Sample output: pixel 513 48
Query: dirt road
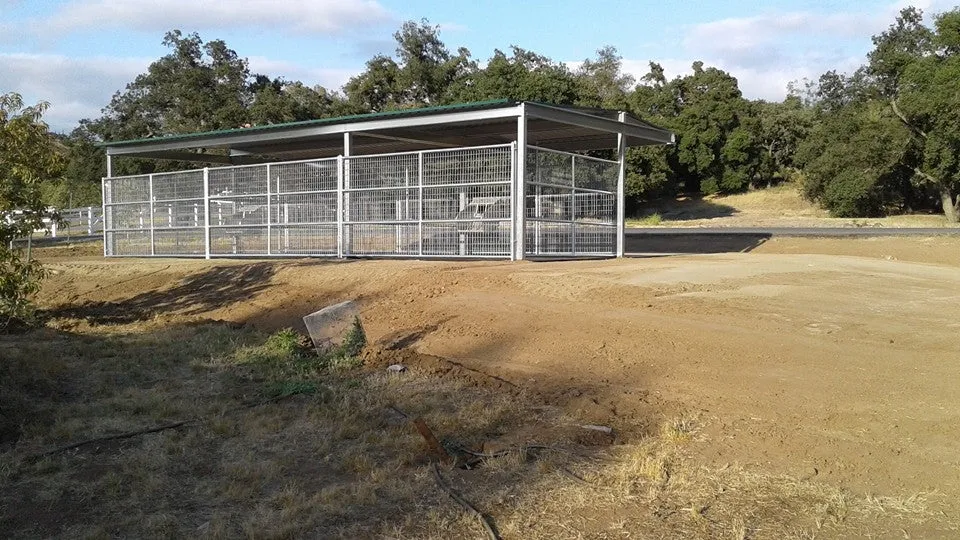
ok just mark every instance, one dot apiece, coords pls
pixel 832 359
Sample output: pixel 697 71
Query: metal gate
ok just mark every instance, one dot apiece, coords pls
pixel 571 204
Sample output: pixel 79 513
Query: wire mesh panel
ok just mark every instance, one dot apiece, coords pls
pixel 238 210
pixel 570 204
pixel 450 203
pixel 126 216
pixel 177 225
pixel 303 208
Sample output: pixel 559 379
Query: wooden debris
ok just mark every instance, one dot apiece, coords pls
pixel 433 444
pixel 484 520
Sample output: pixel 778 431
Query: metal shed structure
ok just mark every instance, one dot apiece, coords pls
pixel 499 179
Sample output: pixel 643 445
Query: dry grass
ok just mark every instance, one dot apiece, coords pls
pixel 780 206
pixel 333 460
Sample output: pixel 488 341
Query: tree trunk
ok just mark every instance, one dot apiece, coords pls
pixel 949 208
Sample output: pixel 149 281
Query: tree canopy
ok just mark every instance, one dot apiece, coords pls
pixel 882 139
pixel 887 138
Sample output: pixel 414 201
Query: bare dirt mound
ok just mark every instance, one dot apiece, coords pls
pixel 838 367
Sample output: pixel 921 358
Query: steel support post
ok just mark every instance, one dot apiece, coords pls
pixel 104 194
pixel 573 205
pixel 340 166
pixel 269 218
pixel 519 187
pixel 153 245
pixel 206 213
pixel 420 199
pixel 344 194
pixel 621 183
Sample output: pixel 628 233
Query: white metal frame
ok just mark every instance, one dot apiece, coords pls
pixel 623 127
pixel 140 199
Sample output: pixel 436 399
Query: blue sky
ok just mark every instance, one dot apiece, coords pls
pixel 77 53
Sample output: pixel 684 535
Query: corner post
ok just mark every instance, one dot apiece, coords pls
pixel 621 185
pixel 153 243
pixel 340 166
pixel 206 213
pixel 104 195
pixel 420 205
pixel 519 187
pixel 344 214
pixel 269 216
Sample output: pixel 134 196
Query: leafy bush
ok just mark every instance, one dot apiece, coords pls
pixel 19 280
pixel 28 155
pixel 850 194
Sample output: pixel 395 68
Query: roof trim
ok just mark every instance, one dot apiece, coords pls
pixel 415 127
pixel 583 119
pixel 400 113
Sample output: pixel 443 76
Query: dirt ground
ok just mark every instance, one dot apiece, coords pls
pixel 828 360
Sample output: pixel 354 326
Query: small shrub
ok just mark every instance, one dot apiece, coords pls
pixel 653 219
pixel 19 280
pixel 346 356
pixel 354 341
pixel 283 355
pixel 285 343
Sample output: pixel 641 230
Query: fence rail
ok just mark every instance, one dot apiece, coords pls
pixel 83 221
pixel 437 203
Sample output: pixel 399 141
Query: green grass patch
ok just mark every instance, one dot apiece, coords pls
pixel 650 220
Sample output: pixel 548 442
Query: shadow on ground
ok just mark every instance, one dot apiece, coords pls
pixel 195 294
pixel 334 461
pixel 687 209
pixel 640 242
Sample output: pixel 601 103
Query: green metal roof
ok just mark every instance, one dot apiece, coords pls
pixel 400 113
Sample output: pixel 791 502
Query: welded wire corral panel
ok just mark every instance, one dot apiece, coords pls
pixel 438 203
pixel 449 203
pixel 570 204
pixel 446 203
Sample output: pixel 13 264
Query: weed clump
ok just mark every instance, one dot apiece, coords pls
pixel 346 355
pixel 282 351
pixel 290 365
pixel 652 219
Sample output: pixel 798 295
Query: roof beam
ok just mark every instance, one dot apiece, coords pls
pixel 564 116
pixel 408 140
pixel 196 157
pixel 184 156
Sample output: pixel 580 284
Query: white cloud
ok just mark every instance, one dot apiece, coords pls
pixel 304 16
pixel 766 52
pixel 75 87
pixel 735 35
pixel 80 87
pixel 452 27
